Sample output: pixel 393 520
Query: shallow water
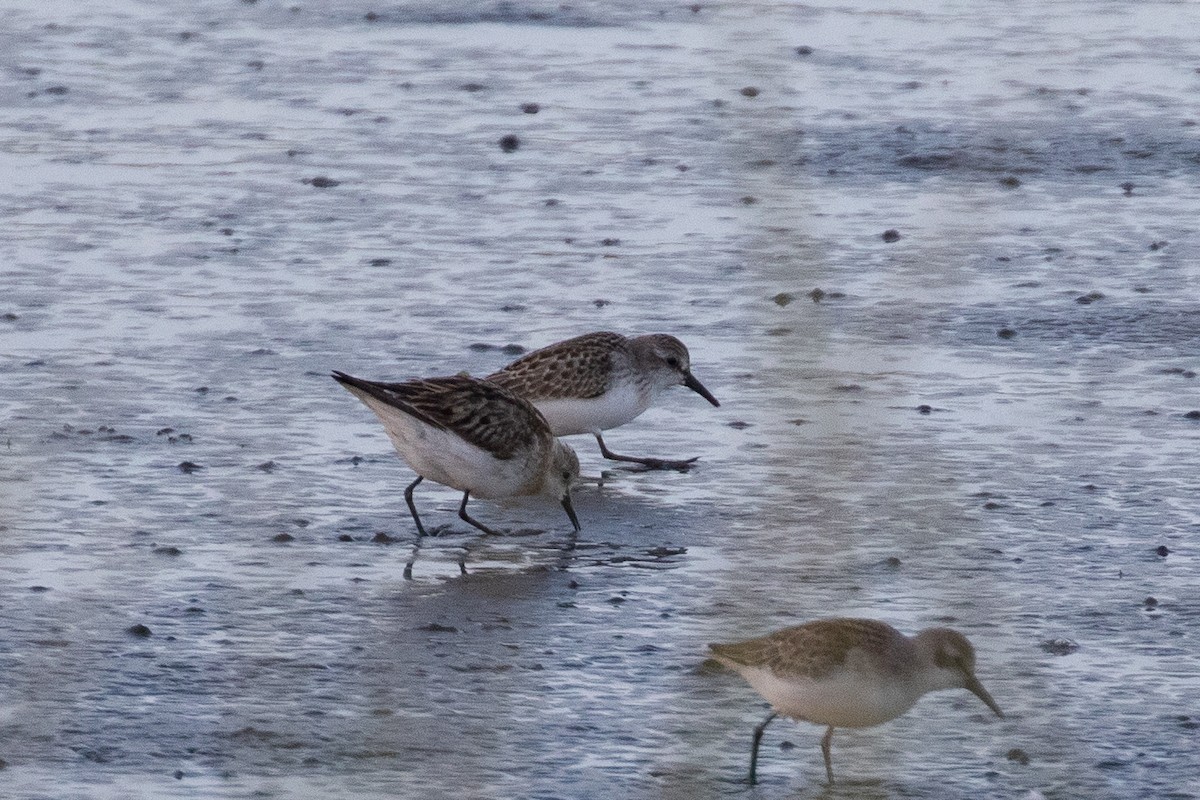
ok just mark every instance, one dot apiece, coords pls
pixel 178 287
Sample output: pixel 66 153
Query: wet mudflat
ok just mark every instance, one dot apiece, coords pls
pixel 983 420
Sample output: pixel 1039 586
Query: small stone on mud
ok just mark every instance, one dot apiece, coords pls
pixel 1059 647
pixel 738 425
pixel 891 235
pixel 892 561
pixel 1018 755
pixel 1157 245
pixel 382 538
pixel 267 466
pixel 167 551
pixel 601 303
pixel 804 50
pixel 530 108
pixel 283 538
pixel 189 467
pixel 783 299
pixel 512 349
pixel 321 182
pixel 380 262
pixel 925 409
pixel 509 142
pixel 433 627
pixel 1010 182
pixel 749 91
pixel 139 630
pixel 610 242
pixel 1006 333
pixel 817 295
pixel 1150 602
pixel 345 537
pixel 1192 415
pixel 1163 550
pixel 1128 187
pixel 787 745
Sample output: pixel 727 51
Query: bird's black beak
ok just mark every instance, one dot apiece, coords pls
pixel 689 380
pixel 976 688
pixel 566 504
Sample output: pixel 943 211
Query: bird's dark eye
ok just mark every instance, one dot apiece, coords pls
pixel 567 477
pixel 672 361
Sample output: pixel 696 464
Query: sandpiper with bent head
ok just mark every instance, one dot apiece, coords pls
pixel 850 673
pixel 472 436
pixel 598 381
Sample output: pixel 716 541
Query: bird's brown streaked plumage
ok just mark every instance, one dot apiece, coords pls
pixel 573 368
pixel 486 415
pixel 814 649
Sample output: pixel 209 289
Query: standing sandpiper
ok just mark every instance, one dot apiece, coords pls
pixel 472 436
pixel 602 380
pixel 850 673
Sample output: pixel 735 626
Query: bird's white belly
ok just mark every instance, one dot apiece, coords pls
pixel 617 406
pixel 446 458
pixel 843 700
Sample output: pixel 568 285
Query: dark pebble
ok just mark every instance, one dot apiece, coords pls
pixel 1059 647
pixel 610 242
pixel 167 551
pixel 1018 755
pixel 38 588
pixel 512 349
pixel 1163 550
pixel 267 466
pixel 1006 333
pixel 1089 298
pixel 139 630
pixel 1151 602
pixel 749 91
pixel 530 108
pixel 1010 182
pixel 178 774
pixel 783 298
pixel 189 467
pixel 382 538
pixel 787 745
pixel 925 409
pixel 9 317
pixel 283 537
pixel 1192 415
pixel 57 90
pixel 601 303
pixel 738 425
pixel 345 537
pixel 891 235
pixel 748 200
pixel 380 262
pixel 892 561
pixel 321 182
pixel 804 50
pixel 472 87
pixel 433 627
pixel 1128 187
pixel 817 295
pixel 1157 245
pixel 371 16
pixel 509 142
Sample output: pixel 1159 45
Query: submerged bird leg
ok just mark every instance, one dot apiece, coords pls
pixel 649 463
pixel 462 513
pixel 758 734
pixel 413 507
pixel 825 743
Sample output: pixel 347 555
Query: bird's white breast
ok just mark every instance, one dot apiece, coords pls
pixel 620 404
pixel 845 699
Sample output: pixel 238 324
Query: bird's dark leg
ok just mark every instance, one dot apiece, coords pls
pixel 758 734
pixel 413 506
pixel 825 743
pixel 462 513
pixel 649 463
